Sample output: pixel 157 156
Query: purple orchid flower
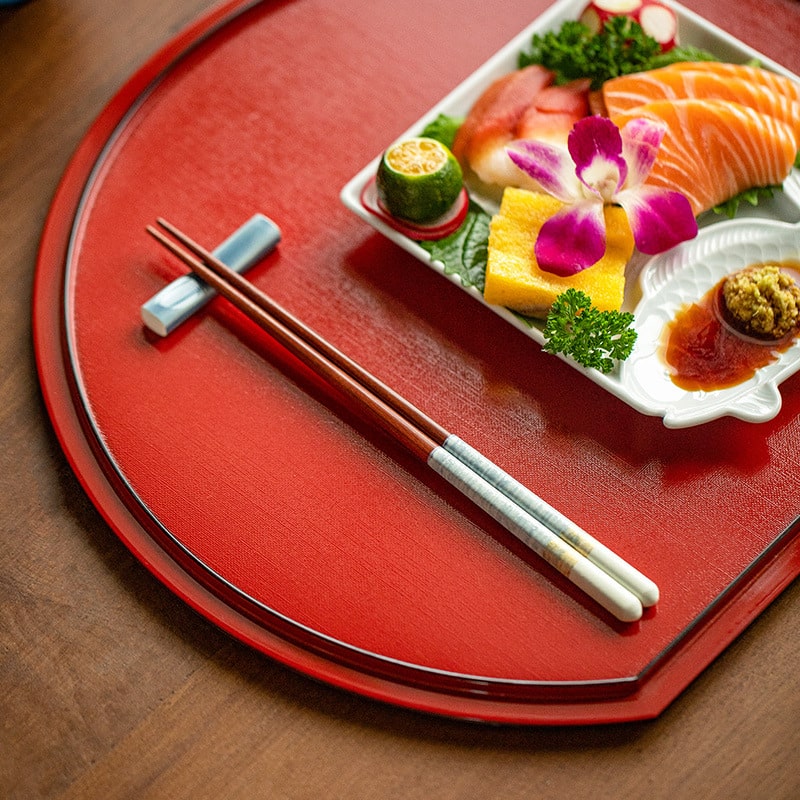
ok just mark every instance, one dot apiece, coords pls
pixel 602 165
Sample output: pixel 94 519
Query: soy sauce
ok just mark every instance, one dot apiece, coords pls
pixel 705 352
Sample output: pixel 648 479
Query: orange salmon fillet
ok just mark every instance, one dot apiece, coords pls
pixel 627 92
pixel 713 150
pixel 759 75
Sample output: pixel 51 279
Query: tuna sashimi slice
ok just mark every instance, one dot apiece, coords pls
pixel 492 121
pixel 521 105
pixel 554 112
pixel 713 149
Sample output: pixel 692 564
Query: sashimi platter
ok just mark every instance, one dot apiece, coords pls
pixel 620 182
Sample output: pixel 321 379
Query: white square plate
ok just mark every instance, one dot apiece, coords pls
pixel 643 381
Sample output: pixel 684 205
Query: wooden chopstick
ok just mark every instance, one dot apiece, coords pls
pixel 602 574
pixel 316 344
pixel 640 585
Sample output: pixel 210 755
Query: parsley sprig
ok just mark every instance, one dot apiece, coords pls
pixel 622 47
pixel 594 338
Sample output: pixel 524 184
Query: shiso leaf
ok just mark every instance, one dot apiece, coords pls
pixel 465 252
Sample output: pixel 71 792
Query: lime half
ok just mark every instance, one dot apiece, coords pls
pixel 418 179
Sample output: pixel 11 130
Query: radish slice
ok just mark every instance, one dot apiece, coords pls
pixel 656 19
pixel 659 22
pixel 443 226
pixel 598 12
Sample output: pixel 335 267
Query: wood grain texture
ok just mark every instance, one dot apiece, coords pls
pixel 113 688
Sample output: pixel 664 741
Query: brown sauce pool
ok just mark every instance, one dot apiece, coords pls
pixel 705 352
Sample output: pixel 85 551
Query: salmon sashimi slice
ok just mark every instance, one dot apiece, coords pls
pixel 713 150
pixel 764 77
pixel 628 91
pixel 522 105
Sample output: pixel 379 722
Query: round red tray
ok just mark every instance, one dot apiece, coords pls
pixel 261 500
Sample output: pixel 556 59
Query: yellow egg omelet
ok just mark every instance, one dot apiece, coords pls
pixel 514 279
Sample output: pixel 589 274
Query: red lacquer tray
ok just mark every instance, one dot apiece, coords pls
pixel 262 501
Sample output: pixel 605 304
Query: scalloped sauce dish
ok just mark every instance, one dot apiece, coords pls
pixel 688 277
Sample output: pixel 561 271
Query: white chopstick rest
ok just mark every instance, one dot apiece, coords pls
pixel 595 582
pixel 619 569
pixel 177 301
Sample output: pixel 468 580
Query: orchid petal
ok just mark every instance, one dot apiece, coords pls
pixel 595 145
pixel 550 166
pixel 641 139
pixel 659 218
pixel 572 239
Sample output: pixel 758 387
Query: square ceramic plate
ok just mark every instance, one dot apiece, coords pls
pixel 642 381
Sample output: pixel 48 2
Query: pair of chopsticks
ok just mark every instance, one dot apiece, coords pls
pixel 590 565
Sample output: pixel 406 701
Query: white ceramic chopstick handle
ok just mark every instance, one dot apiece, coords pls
pixel 610 594
pixel 645 589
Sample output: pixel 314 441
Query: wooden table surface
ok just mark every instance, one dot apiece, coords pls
pixel 113 688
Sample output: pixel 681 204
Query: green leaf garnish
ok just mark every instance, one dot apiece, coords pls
pixel 680 53
pixel 594 338
pixel 443 129
pixel 752 196
pixel 622 47
pixel 465 252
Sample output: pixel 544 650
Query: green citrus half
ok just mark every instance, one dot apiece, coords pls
pixel 418 179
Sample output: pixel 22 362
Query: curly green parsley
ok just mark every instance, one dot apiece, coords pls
pixel 594 338
pixel 622 47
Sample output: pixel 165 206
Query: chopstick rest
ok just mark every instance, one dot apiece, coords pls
pixel 605 577
pixel 176 302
